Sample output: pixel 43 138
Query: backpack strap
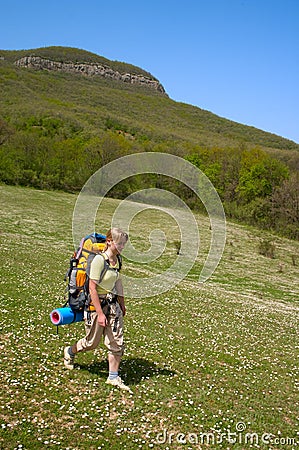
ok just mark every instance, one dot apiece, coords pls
pixel 107 266
pixel 120 261
pixel 79 251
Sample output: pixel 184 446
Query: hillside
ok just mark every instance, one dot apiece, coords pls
pixel 93 100
pixel 65 112
pixel 218 358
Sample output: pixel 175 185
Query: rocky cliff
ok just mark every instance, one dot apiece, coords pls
pixel 38 63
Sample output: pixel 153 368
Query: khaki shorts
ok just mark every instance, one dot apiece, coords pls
pixel 112 333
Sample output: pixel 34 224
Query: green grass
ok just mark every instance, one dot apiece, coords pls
pixel 200 358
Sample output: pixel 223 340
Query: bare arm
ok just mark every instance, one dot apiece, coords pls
pixel 96 303
pixel 120 296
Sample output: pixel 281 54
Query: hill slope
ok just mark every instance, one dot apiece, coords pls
pixel 91 100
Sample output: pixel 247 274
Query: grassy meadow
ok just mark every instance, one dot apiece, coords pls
pixel 210 366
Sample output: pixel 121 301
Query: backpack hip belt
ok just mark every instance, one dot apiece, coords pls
pixel 105 299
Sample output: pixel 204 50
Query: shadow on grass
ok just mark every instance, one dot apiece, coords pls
pixel 132 370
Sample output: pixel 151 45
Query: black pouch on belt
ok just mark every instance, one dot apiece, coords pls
pixel 105 307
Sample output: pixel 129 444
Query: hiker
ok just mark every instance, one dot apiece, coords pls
pixel 103 316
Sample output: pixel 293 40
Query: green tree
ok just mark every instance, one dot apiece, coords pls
pixel 5 131
pixel 285 206
pixel 259 175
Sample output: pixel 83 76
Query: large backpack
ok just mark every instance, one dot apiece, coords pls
pixel 77 277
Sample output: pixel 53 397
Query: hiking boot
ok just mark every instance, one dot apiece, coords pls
pixel 119 383
pixel 68 359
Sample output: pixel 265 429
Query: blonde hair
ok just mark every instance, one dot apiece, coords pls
pixel 116 234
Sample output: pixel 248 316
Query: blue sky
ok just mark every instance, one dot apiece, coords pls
pixel 236 58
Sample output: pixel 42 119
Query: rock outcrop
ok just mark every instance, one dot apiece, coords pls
pixel 38 63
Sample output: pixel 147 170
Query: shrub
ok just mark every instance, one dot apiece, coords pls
pixel 267 248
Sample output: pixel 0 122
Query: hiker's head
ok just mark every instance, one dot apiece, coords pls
pixel 116 238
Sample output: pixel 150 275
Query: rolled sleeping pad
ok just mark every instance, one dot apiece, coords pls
pixel 65 316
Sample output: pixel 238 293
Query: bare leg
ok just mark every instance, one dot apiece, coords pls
pixel 74 349
pixel 114 362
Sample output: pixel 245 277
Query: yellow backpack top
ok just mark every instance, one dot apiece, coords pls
pixel 89 248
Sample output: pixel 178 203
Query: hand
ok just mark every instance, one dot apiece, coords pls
pixel 102 319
